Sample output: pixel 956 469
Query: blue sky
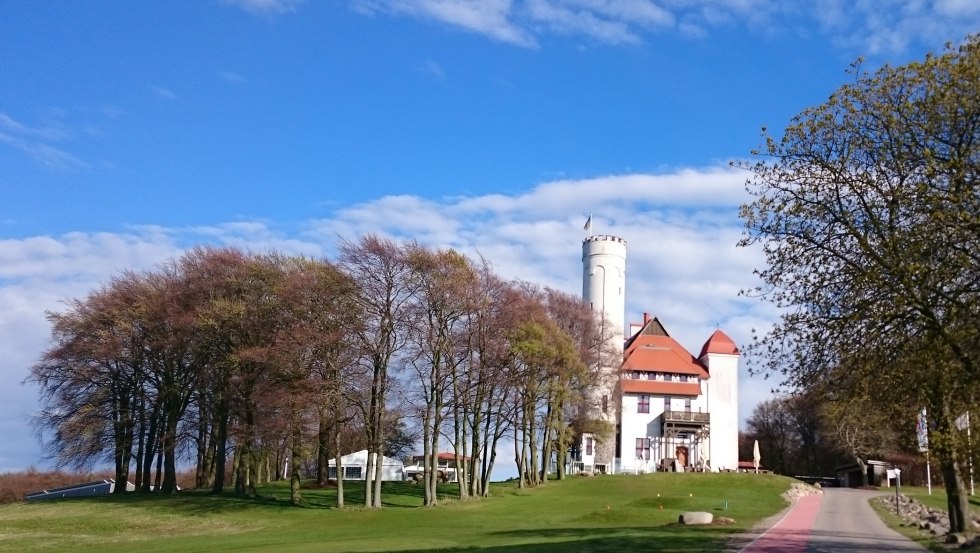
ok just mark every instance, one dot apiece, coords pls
pixel 132 130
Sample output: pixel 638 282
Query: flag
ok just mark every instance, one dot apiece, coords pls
pixel 963 421
pixel 922 431
pixel 588 223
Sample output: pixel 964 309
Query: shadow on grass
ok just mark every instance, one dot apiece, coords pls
pixel 606 540
pixel 397 495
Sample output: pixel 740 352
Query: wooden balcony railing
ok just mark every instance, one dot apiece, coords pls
pixel 686 416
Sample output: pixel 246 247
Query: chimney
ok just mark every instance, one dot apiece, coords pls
pixel 646 318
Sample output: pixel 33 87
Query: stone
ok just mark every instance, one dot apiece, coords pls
pixel 956 539
pixel 724 520
pixel 695 517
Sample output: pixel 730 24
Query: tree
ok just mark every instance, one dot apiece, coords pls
pixel 385 292
pixel 861 429
pixel 868 213
pixel 771 423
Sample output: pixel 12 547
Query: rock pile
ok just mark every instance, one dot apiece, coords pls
pixel 798 490
pixel 932 521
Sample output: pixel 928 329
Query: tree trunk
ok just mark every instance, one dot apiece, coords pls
pixel 123 430
pixel 956 497
pixel 340 468
pixel 323 448
pixel 296 457
pixel 220 447
pixel 864 470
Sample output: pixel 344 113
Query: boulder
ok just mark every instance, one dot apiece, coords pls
pixel 956 539
pixel 696 517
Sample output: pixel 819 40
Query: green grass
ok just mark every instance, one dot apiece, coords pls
pixel 602 514
pixel 938 498
pixel 919 536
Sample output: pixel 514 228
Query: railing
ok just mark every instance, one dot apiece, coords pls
pixel 686 416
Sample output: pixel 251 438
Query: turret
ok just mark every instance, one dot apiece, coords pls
pixel 720 356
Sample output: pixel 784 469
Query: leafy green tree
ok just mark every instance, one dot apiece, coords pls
pixel 867 210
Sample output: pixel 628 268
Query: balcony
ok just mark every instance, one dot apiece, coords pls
pixel 686 418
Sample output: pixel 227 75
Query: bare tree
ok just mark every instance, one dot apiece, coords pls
pixel 384 298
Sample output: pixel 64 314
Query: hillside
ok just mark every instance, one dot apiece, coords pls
pixel 609 513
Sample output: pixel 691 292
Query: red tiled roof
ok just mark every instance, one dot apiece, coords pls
pixel 443 456
pixel 660 387
pixel 719 342
pixel 660 354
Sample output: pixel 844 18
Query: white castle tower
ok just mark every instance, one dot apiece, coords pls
pixel 604 288
pixel 604 280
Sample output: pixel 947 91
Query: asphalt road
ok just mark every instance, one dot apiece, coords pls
pixel 838 521
pixel 847 523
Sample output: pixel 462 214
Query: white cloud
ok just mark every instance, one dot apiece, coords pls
pixel 492 18
pixel 681 228
pixel 163 93
pixel 38 142
pixel 862 27
pixel 265 7
pixel 231 77
pixel 888 27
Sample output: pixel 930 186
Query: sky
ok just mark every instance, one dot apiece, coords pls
pixel 130 131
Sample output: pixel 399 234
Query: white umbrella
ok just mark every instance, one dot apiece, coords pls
pixel 756 456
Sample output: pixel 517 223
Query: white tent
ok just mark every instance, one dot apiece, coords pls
pixel 356 467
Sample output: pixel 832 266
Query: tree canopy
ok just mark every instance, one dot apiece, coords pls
pixel 288 362
pixel 867 210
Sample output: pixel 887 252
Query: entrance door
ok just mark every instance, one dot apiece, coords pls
pixel 681 453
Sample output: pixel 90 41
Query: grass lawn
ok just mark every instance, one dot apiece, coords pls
pixel 601 514
pixel 938 498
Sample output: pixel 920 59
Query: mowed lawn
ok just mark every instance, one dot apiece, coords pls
pixel 601 514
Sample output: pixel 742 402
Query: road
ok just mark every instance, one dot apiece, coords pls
pixel 838 521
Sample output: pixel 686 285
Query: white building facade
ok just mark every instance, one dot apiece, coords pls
pixel 672 411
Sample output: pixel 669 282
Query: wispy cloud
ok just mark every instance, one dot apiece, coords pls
pixel 265 7
pixel 163 93
pixel 39 143
pixel 862 27
pixel 492 18
pixel 231 77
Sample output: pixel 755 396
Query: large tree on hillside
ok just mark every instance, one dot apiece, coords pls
pixel 384 298
pixel 868 212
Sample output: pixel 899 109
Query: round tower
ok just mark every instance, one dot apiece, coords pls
pixel 604 281
pixel 604 288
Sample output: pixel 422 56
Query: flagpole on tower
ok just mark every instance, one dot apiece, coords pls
pixel 588 225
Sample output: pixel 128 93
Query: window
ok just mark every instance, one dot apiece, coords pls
pixel 666 403
pixel 352 473
pixel 643 404
pixel 687 405
pixel 588 445
pixel 605 404
pixel 643 449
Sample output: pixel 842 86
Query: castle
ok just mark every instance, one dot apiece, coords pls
pixel 670 410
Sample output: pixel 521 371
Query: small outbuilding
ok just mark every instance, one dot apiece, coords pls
pixel 446 461
pixel 850 475
pixel 357 467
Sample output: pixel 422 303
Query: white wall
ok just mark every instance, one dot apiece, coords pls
pixel 722 399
